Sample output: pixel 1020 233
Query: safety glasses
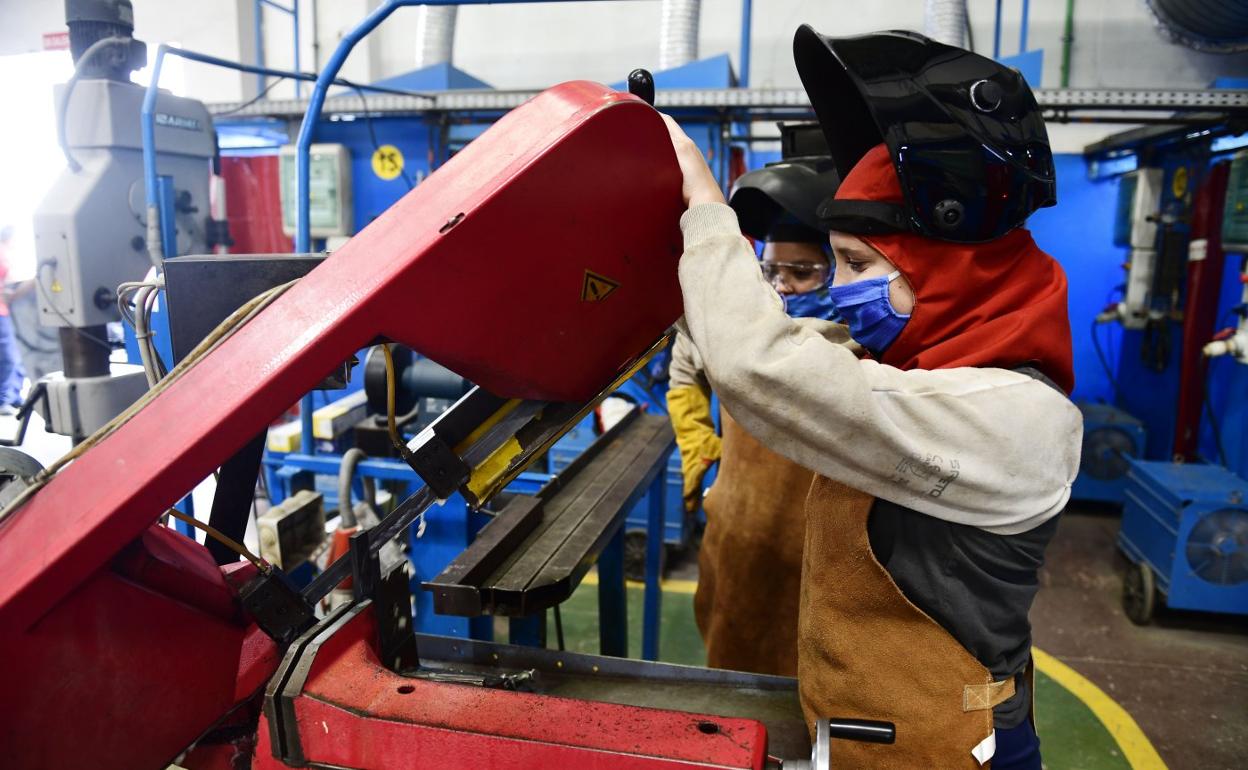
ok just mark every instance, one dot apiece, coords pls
pixel 795 276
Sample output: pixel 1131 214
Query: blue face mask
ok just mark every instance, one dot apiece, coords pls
pixel 866 308
pixel 810 304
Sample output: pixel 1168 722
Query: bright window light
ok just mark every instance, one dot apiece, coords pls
pixel 28 148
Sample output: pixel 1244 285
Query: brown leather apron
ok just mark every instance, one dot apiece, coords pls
pixel 750 563
pixel 866 652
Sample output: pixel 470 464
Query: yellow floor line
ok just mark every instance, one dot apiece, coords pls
pixel 1136 747
pixel 669 586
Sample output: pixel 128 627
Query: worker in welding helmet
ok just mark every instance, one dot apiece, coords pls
pixel 944 454
pixel 750 560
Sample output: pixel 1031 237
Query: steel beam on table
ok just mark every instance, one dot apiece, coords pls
pixel 534 553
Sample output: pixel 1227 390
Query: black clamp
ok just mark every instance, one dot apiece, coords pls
pixel 277 606
pixel 436 463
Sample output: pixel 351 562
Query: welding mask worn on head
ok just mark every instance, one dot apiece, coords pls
pixel 789 189
pixel 965 135
pixel 865 306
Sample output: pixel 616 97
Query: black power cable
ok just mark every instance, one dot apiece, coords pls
pixel 372 133
pixel 63 108
pixel 1213 420
pixel 47 297
pixel 253 99
pixel 1100 354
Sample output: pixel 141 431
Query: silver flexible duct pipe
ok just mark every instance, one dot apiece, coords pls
pixel 435 34
pixel 945 21
pixel 1213 26
pixel 678 32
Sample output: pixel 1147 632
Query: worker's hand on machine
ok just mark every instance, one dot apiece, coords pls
pixel 699 183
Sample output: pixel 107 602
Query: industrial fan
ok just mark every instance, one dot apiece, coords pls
pixel 1185 530
pixel 1111 437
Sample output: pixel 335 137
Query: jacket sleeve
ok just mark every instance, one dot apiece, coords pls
pixel 686 366
pixel 986 447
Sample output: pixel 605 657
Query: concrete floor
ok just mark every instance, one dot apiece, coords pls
pixel 1184 678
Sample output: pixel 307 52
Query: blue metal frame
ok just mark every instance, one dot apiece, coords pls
pixel 652 610
pixel 1022 30
pixel 1022 27
pixel 293 12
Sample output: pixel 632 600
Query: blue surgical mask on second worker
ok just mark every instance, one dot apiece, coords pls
pixel 810 304
pixel 814 303
pixel 867 309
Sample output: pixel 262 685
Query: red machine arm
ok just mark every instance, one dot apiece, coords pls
pixel 536 263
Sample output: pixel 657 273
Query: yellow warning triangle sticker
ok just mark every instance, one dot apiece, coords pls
pixel 596 287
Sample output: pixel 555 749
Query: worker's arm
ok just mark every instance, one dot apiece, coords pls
pixel 987 447
pixel 689 404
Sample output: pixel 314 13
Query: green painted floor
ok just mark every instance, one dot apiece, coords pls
pixel 1071 735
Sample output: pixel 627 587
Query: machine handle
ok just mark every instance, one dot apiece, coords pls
pixel 863 730
pixel 641 85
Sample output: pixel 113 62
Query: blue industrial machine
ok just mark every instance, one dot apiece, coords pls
pixel 1111 438
pixel 1164 401
pixel 1185 530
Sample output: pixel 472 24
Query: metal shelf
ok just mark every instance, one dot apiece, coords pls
pixel 1061 101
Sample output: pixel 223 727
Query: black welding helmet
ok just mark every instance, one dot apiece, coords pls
pixel 965 134
pixel 780 201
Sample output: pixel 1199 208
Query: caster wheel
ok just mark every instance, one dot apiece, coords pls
pixel 1139 594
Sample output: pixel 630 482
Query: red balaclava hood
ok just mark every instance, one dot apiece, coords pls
pixel 995 304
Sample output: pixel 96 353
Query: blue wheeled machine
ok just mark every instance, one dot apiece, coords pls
pixel 1111 439
pixel 1185 530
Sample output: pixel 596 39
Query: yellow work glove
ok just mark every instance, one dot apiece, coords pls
pixel 690 410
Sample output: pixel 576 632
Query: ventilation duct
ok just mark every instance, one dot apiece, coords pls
pixel 678 33
pixel 945 21
pixel 435 34
pixel 1213 26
